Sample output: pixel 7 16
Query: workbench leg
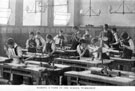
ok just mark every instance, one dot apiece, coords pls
pixel 1 72
pixel 68 80
pixel 11 77
pixel 38 81
pixel 60 80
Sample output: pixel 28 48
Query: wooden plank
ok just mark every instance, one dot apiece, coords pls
pixel 88 61
pixel 121 59
pixel 113 72
pixel 110 80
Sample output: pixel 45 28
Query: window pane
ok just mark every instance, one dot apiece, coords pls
pixel 60 22
pixel 30 15
pixel 61 16
pixel 3 20
pixel 58 2
pixel 60 9
pixel 4 11
pixel 4 3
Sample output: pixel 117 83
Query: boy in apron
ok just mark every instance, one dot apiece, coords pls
pixel 127 45
pixel 115 45
pixel 59 39
pixel 31 43
pixel 40 43
pixel 14 53
pixel 49 48
pixel 82 49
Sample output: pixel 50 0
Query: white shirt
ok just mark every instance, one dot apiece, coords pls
pixel 94 49
pixel 56 39
pixel 41 39
pixel 11 53
pixel 131 43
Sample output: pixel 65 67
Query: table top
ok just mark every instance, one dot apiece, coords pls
pixel 85 60
pixel 35 55
pixel 45 63
pixel 112 80
pixel 121 59
pixel 113 71
pixel 36 68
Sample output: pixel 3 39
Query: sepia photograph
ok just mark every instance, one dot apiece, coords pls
pixel 67 44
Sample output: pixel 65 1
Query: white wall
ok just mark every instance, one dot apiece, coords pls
pixel 106 17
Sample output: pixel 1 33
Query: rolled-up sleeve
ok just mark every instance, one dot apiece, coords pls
pixel 53 47
pixel 131 43
pixel 27 43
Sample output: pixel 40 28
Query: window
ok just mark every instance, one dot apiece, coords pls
pixel 31 14
pixel 4 12
pixel 61 15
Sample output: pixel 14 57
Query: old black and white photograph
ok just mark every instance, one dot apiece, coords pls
pixel 87 43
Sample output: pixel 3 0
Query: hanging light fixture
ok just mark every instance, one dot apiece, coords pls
pixel 90 12
pixel 38 7
pixel 124 6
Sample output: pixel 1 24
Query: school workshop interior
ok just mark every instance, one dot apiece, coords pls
pixel 67 42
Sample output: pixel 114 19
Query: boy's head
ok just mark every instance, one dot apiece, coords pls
pixel 49 37
pixel 10 43
pixel 87 31
pixel 38 34
pixel 124 35
pixel 83 42
pixel 114 30
pixel 60 32
pixel 76 29
pixel 31 35
pixel 106 27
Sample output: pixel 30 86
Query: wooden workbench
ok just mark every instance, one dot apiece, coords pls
pixel 122 64
pixel 41 57
pixel 83 63
pixel 86 78
pixel 36 72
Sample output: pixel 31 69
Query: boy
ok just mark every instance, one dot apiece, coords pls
pixel 14 53
pixel 59 39
pixel 107 36
pixel 127 45
pixel 115 44
pixel 82 49
pixel 75 38
pixel 40 43
pixel 49 47
pixel 31 43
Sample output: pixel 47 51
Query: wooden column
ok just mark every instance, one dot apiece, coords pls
pixel 76 12
pixel 19 13
pixel 74 9
pixel 44 16
pixel 50 13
